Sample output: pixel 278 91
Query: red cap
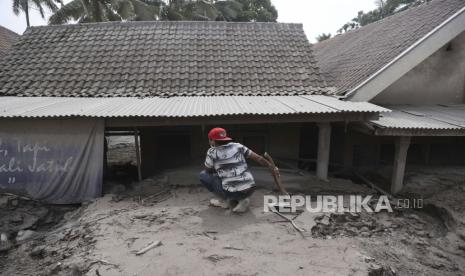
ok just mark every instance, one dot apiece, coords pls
pixel 218 134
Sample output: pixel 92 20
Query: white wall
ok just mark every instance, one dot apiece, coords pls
pixel 438 79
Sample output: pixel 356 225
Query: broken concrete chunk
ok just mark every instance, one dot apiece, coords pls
pixel 25 235
pixel 379 270
pixel 325 221
pixel 5 246
pixel 13 202
pixel 38 252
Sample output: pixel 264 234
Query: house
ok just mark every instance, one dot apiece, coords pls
pixel 7 39
pixel 413 63
pixel 63 87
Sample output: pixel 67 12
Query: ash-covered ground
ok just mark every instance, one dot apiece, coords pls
pixel 172 211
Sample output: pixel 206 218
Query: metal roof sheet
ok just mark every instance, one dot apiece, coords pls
pixel 424 117
pixel 202 106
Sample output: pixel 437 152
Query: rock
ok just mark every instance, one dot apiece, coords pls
pixel 365 234
pixel 14 202
pixel 379 270
pixel 38 252
pixel 3 200
pixel 86 203
pixel 325 221
pixel 25 235
pixel 413 216
pixel 54 269
pixel 75 271
pixel 354 215
pixel 368 259
pixel 5 246
pixel 118 198
pixel 3 237
pixel 16 218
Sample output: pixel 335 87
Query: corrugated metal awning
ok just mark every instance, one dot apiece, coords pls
pixel 178 107
pixel 419 120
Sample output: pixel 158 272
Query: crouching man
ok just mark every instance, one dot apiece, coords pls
pixel 226 172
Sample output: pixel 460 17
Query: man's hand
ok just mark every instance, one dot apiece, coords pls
pixel 275 171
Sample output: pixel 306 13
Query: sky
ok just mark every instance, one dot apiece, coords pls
pixel 317 16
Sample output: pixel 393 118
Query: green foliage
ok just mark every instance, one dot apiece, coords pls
pixel 385 8
pixel 257 10
pixel 197 10
pixel 323 37
pixel 24 6
pixel 105 10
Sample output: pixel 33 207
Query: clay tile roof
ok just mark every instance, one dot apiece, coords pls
pixel 347 60
pixel 7 39
pixel 163 59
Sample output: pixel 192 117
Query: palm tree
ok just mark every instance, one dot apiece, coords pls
pixel 24 6
pixel 106 10
pixel 224 10
pixel 198 10
pixel 127 10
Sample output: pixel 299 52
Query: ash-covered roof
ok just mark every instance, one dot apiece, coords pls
pixel 418 120
pixel 182 107
pixel 349 59
pixel 7 39
pixel 162 59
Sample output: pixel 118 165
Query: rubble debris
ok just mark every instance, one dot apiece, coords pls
pixel 216 258
pixel 405 242
pixel 24 235
pixel 5 246
pixel 104 262
pixel 38 252
pixel 379 270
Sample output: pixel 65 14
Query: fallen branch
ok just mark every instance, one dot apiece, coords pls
pixel 392 199
pixel 232 248
pixel 149 247
pixel 104 262
pixel 300 230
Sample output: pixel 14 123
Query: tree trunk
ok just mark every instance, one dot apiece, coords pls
pixel 26 11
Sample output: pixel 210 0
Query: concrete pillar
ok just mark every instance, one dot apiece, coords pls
pixel 400 158
pixel 138 158
pixel 324 142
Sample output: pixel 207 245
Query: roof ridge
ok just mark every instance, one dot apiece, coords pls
pixel 383 20
pixel 160 22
